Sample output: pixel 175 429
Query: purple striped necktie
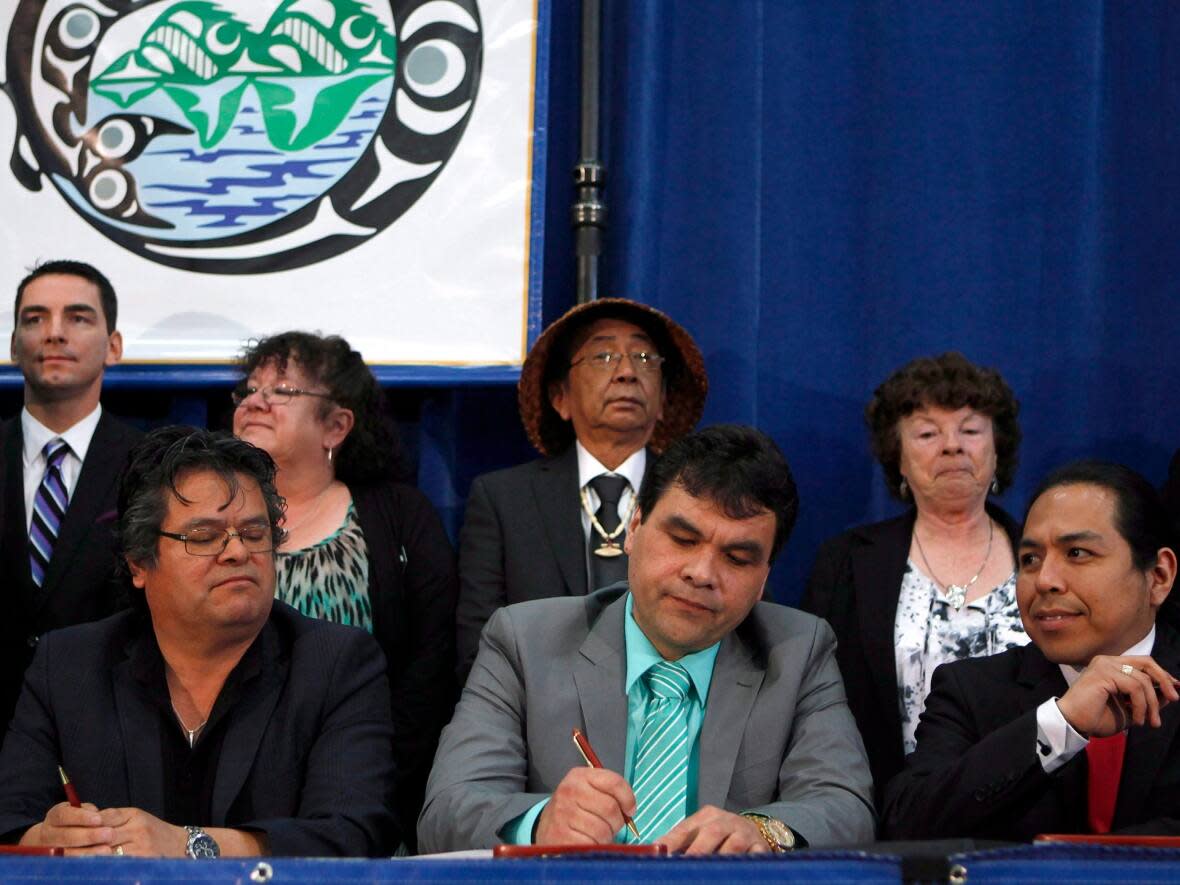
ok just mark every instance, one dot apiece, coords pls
pixel 49 509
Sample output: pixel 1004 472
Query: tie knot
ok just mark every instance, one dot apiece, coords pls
pixel 668 681
pixel 55 451
pixel 609 488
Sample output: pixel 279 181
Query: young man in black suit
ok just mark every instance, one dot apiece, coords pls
pixel 1077 732
pixel 56 503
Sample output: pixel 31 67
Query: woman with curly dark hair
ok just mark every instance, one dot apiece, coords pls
pixel 937 583
pixel 361 548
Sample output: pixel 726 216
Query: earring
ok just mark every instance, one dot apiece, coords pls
pixel 329 455
pixel 995 486
pixel 904 488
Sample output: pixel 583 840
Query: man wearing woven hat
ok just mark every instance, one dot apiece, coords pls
pixel 716 722
pixel 605 385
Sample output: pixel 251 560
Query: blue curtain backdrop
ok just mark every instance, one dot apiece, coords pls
pixel 821 191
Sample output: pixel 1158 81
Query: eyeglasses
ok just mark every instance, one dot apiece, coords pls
pixel 212 542
pixel 609 360
pixel 275 395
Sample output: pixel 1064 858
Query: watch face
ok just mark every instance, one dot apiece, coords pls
pixel 781 833
pixel 201 844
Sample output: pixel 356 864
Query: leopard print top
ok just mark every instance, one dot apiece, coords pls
pixel 330 579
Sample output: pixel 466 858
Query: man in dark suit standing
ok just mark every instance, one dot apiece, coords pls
pixel 605 384
pixel 208 718
pixel 1077 732
pixel 61 459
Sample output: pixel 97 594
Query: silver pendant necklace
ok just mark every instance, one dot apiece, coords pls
pixel 190 733
pixel 956 594
pixel 609 548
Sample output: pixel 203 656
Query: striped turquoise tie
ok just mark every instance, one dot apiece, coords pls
pixel 49 509
pixel 660 776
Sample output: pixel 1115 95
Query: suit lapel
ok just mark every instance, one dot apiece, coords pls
pixel 1147 747
pixel 100 471
pixel 878 565
pixel 249 718
pixel 140 725
pixel 732 690
pixel 15 531
pixel 555 491
pixel 599 671
pixel 1040 679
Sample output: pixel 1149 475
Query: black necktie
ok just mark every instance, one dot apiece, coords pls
pixel 606 570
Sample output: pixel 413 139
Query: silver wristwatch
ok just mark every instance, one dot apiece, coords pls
pixel 201 844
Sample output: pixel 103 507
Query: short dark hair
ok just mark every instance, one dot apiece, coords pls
pixel 106 292
pixel 737 467
pixel 162 459
pixel 950 381
pixel 371 452
pixel 1139 512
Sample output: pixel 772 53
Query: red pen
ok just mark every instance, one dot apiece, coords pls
pixel 68 786
pixel 593 761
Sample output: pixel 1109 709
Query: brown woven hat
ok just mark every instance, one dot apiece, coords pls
pixel 685 382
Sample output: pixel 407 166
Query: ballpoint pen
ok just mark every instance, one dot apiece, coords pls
pixel 593 761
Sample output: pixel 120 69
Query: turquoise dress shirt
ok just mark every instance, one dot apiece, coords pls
pixel 641 655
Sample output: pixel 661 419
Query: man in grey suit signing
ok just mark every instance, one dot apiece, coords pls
pixel 720 720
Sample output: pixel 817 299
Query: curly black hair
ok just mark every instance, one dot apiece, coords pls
pixel 371 452
pixel 950 381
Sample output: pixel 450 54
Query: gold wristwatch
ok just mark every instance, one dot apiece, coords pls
pixel 777 834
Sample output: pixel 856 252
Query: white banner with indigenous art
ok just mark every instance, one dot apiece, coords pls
pixel 241 167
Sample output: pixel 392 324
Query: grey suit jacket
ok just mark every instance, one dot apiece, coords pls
pixel 777 738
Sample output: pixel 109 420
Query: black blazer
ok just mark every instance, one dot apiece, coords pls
pixel 412 589
pixel 306 756
pixel 976 773
pixel 855 586
pixel 82 583
pixel 522 539
pixel 1171 489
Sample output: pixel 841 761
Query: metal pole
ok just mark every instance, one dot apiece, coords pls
pixel 588 212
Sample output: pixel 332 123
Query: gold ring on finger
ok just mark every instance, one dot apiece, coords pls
pixel 1127 669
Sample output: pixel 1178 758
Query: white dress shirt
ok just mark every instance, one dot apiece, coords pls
pixel 36 435
pixel 590 467
pixel 1054 732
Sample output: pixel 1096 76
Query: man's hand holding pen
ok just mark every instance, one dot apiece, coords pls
pixel 587 808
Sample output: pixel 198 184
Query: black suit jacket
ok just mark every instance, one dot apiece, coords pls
pixel 522 539
pixel 306 756
pixel 976 772
pixel 82 582
pixel 1171 489
pixel 855 586
pixel 412 589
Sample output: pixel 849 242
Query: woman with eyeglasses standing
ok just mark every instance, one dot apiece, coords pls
pixel 361 548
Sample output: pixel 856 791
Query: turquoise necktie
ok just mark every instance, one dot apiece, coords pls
pixel 660 775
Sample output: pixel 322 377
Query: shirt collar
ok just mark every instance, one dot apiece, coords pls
pixel 1142 647
pixel 631 469
pixel 641 655
pixel 36 434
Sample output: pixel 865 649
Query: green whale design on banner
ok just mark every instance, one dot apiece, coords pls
pixel 308 66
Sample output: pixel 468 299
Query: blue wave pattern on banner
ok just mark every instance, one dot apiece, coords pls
pixel 255 146
pixel 240 197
